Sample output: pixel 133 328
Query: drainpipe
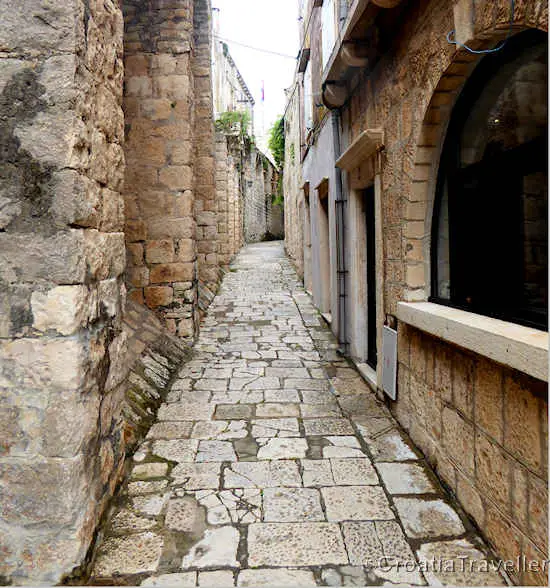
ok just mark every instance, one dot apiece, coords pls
pixel 341 262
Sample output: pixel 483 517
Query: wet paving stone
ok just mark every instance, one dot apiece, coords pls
pixel 272 464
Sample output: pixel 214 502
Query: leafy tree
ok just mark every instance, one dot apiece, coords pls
pixel 277 141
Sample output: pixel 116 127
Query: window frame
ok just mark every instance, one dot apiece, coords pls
pixel 449 165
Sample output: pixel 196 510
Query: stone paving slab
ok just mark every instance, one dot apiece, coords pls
pixel 272 464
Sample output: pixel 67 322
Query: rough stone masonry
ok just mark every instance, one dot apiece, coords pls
pixel 62 259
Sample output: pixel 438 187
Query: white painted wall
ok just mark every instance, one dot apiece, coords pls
pixel 319 164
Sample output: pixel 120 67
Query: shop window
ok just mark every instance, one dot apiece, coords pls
pixel 490 229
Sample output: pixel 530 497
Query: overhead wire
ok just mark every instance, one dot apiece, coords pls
pixel 285 55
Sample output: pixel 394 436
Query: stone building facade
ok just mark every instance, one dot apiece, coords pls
pixel 115 228
pixel 380 104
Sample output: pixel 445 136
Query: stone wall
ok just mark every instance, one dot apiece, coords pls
pixel 161 160
pixel 61 263
pixel 228 188
pixel 206 206
pixel 294 202
pixel 259 185
pixel 484 427
pixel 255 214
pixel 245 183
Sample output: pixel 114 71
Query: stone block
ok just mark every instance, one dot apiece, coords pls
pixel 138 277
pixel 489 399
pixel 492 471
pixel 45 363
pixel 292 505
pixel 206 219
pixel 217 548
pixel 183 228
pixel 135 254
pixel 463 383
pixel 356 503
pixel 275 577
pixel 458 556
pixel 181 154
pixel 139 86
pixel 295 544
pixel 135 230
pixel 185 250
pixel 149 150
pixel 442 371
pixel 76 200
pixel 18 37
pixel 405 478
pixel 177 177
pixel 112 212
pixel 64 309
pixel 522 407
pixel 172 272
pixel 503 534
pixel 538 512
pixel 136 296
pixel 137 65
pixel 520 501
pixel 45 492
pixel 161 251
pixel 183 204
pixel 172 86
pixel 186 328
pixel 458 440
pixel 156 296
pixel 58 259
pixel 428 518
pixel 470 499
pixel 105 254
pixel 133 554
pixel 156 108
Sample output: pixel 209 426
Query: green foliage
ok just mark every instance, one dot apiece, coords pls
pixel 278 198
pixel 277 141
pixel 232 121
pixel 292 153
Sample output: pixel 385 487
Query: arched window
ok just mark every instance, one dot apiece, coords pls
pixel 490 227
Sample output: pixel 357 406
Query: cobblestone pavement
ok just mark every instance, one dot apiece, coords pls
pixel 273 464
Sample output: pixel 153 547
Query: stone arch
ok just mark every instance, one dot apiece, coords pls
pixel 484 29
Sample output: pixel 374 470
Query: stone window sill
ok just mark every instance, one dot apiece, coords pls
pixel 521 348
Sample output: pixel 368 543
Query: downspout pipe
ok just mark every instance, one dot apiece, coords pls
pixel 341 257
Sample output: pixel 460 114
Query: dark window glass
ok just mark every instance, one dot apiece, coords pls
pixel 490 229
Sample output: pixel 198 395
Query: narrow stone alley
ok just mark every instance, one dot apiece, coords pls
pixel 272 463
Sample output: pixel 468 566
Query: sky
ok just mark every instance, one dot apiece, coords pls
pixel 265 24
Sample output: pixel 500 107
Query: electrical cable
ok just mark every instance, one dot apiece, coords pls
pixel 256 48
pixel 484 51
